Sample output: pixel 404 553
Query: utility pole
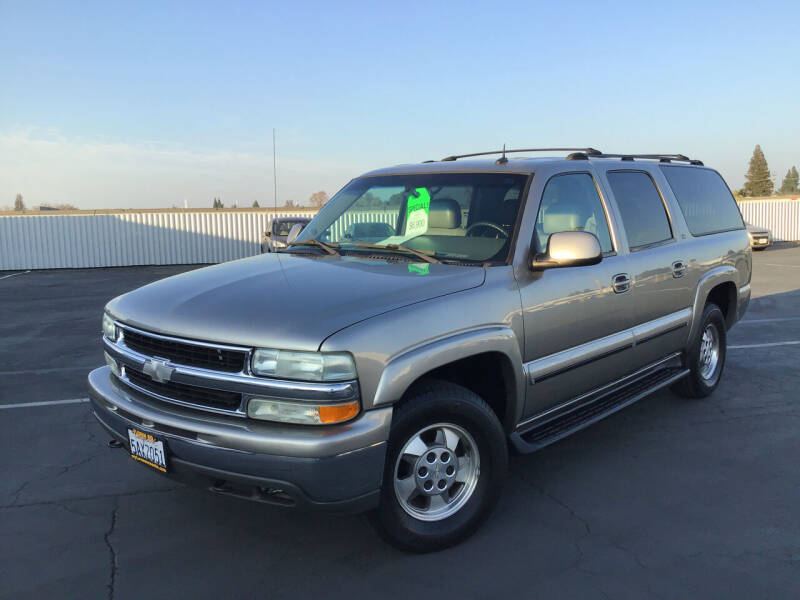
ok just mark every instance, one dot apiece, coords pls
pixel 274 170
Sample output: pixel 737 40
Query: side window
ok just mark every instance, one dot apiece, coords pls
pixel 705 200
pixel 570 202
pixel 643 214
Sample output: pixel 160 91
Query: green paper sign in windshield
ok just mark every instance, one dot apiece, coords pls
pixel 417 209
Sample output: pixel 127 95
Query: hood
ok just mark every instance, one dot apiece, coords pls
pixel 282 300
pixel 755 229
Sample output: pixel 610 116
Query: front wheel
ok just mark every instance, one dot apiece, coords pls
pixel 705 356
pixel 445 467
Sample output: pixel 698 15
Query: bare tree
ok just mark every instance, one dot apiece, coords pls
pixel 318 199
pixel 18 203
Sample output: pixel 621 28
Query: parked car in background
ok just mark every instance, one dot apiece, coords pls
pixel 388 359
pixel 760 237
pixel 279 230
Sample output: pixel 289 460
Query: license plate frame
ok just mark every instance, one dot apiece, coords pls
pixel 147 449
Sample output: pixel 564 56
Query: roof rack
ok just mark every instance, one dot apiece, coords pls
pixel 664 158
pixel 580 154
pixel 588 151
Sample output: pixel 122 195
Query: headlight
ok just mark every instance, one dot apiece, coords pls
pixel 301 413
pixel 110 329
pixel 304 366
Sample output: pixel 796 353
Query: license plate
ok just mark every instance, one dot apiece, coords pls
pixel 147 449
pixel 761 241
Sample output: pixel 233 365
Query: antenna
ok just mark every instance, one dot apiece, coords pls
pixel 502 160
pixel 274 170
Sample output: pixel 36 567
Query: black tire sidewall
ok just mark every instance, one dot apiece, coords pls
pixel 445 403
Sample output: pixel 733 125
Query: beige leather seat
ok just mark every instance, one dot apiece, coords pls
pixel 444 217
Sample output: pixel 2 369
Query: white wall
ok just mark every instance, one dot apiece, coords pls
pixel 53 241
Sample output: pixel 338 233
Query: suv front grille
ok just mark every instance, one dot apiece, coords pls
pixel 186 393
pixel 182 353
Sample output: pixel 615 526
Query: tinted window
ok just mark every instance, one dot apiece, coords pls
pixel 571 203
pixel 705 200
pixel 643 214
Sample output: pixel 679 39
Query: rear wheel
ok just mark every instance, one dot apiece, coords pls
pixel 445 468
pixel 705 356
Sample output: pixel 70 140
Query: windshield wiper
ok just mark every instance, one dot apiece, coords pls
pixel 426 255
pixel 328 247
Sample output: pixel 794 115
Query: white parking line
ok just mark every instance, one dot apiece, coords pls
pixel 768 345
pixel 48 403
pixel 775 320
pixel 13 274
pixel 779 265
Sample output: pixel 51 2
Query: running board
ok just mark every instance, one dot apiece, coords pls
pixel 543 434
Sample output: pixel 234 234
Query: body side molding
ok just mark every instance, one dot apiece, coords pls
pixel 571 358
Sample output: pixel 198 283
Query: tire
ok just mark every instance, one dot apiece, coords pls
pixel 705 356
pixel 460 430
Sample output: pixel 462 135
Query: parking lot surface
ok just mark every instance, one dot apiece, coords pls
pixel 667 499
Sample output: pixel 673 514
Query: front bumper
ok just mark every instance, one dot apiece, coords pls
pixel 336 468
pixel 760 240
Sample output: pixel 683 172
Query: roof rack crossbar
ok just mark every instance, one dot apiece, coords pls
pixel 589 151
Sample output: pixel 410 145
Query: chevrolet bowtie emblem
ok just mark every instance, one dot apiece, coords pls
pixel 158 370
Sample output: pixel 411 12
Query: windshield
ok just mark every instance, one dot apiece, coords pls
pixel 457 216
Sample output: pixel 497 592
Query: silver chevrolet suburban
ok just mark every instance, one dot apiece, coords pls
pixel 430 318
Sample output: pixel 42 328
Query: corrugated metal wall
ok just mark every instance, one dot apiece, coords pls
pixel 130 238
pixel 163 238
pixel 782 217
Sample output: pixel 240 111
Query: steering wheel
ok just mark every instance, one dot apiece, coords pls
pixel 494 226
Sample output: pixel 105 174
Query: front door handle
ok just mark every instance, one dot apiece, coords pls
pixel 621 283
pixel 678 269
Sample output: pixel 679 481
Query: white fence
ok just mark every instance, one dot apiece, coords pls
pixel 782 217
pixel 131 238
pixel 109 239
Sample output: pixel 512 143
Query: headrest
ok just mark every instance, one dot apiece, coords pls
pixel 371 230
pixel 555 220
pixel 445 213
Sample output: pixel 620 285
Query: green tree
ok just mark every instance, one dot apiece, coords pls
pixel 256 204
pixel 217 203
pixel 758 183
pixel 791 183
pixel 18 203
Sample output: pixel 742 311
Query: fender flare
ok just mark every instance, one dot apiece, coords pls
pixel 404 368
pixel 709 281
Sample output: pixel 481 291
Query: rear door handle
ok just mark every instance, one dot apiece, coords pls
pixel 621 283
pixel 678 269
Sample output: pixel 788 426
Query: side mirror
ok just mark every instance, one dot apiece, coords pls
pixel 569 249
pixel 293 233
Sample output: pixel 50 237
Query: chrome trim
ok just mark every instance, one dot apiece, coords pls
pixel 588 396
pixel 656 327
pixel 242 382
pixel 554 364
pixel 170 338
pixel 241 411
pixel 572 357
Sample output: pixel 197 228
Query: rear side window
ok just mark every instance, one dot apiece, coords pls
pixel 705 200
pixel 643 214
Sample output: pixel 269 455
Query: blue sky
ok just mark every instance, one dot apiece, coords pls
pixel 148 104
